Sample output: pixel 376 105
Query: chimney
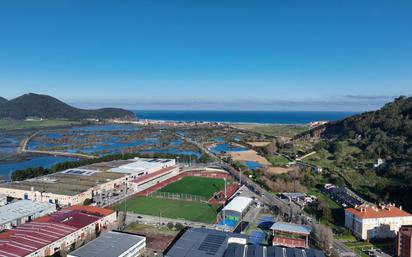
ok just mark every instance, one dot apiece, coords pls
pixel 400 207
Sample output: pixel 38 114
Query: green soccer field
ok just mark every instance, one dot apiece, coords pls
pixel 193 211
pixel 195 186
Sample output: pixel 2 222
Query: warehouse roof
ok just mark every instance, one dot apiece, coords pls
pixel 63 184
pixel 291 228
pixel 238 204
pixel 200 242
pixel 153 175
pixel 22 209
pixel 140 164
pixel 32 236
pixel 110 244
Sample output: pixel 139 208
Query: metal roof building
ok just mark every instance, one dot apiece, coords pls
pixel 112 244
pixel 291 228
pixel 196 242
pixel 50 234
pixel 238 205
pixel 17 213
pixel 281 232
pixel 142 165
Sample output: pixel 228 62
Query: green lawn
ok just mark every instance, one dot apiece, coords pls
pixel 277 160
pixel 174 209
pixel 195 186
pixel 279 130
pixel 24 124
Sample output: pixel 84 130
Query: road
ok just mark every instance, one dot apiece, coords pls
pixel 25 142
pixel 272 200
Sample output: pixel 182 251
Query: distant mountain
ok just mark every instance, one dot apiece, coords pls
pixel 47 107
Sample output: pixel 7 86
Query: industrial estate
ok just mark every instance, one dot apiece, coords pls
pixel 194 189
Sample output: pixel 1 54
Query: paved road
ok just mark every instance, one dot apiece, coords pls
pixel 155 220
pixel 23 149
pixel 270 199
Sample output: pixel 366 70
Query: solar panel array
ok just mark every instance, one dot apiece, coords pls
pixel 256 237
pixel 79 172
pixel 212 243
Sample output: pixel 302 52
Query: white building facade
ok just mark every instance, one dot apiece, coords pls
pixel 376 222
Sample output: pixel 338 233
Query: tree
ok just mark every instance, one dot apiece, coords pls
pixel 179 226
pixel 170 225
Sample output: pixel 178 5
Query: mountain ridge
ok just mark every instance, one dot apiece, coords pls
pixel 47 107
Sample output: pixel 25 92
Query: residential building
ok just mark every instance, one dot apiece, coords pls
pixel 375 222
pixel 112 244
pixel 404 242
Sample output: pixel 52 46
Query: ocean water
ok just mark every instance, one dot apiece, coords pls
pixel 270 117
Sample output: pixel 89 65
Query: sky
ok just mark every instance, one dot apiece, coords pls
pixel 330 55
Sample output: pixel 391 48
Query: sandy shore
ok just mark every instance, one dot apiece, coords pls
pixel 249 155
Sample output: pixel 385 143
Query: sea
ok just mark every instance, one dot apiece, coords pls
pixel 8 144
pixel 264 117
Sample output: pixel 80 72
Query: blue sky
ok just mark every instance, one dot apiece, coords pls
pixel 216 54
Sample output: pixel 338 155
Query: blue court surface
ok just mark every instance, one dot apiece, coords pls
pixel 256 237
pixel 228 223
pixel 265 222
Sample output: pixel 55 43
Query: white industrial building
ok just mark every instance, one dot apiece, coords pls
pixel 236 208
pixel 112 244
pixel 74 186
pixel 15 214
pixel 143 166
pixel 3 200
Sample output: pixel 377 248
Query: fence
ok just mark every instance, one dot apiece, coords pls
pixel 177 196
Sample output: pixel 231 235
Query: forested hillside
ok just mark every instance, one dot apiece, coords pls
pixel 351 148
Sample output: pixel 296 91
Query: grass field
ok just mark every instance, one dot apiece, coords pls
pixel 25 124
pixel 195 186
pixel 277 160
pixel 174 209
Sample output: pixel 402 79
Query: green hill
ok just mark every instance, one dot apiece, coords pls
pixel 43 106
pixel 350 148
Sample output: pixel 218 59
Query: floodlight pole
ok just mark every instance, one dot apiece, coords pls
pixel 225 190
pixel 240 176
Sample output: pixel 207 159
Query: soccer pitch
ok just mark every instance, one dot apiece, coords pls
pixel 175 209
pixel 201 186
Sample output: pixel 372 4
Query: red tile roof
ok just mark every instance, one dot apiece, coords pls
pixel 153 175
pixel 373 212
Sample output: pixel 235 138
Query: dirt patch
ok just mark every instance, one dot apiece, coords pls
pixel 277 170
pixel 249 155
pixel 258 144
pixel 156 239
